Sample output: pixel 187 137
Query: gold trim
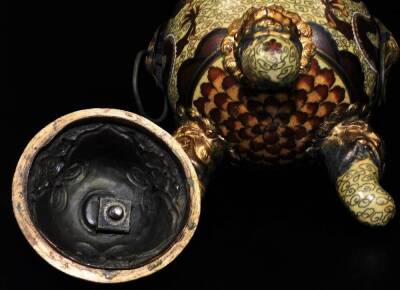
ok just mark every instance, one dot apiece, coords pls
pixel 393 52
pixel 203 146
pixel 62 263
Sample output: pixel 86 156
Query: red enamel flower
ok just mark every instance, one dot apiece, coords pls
pixel 273 46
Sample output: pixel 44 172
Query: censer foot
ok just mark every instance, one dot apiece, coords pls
pixel 353 154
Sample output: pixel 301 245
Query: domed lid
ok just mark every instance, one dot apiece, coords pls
pixel 106 195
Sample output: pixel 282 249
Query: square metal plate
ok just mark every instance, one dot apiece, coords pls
pixel 106 222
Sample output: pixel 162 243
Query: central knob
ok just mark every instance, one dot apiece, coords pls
pixel 268 48
pixel 270 62
pixel 116 213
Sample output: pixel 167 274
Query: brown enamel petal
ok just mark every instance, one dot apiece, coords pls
pixel 287 107
pixel 305 83
pixel 271 101
pixel 231 87
pixel 310 108
pixel 299 132
pixel 242 94
pixel 218 116
pixel 225 116
pixel 221 100
pixel 297 118
pixel 285 153
pixel 271 138
pixel 282 97
pixel 215 73
pixel 234 92
pixel 215 115
pixel 262 97
pixel 223 130
pixel 301 144
pixel 288 144
pixel 243 147
pixel 326 77
pixel 300 98
pixel 336 95
pixel 200 105
pixel 286 132
pixel 233 137
pixel 318 94
pixel 258 129
pixel 268 156
pixel 255 156
pixel 233 124
pixel 248 119
pixel 272 127
pixel 282 140
pixel 264 119
pixel 325 109
pixel 216 76
pixel 272 110
pixel 208 107
pixel 236 108
pixel 257 144
pixel 314 68
pixel 240 149
pixel 313 123
pixel 273 149
pixel 229 82
pixel 283 119
pixel 207 90
pixel 255 107
pixel 246 133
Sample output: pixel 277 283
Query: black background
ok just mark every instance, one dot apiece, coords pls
pixel 261 229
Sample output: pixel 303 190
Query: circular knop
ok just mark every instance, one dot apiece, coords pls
pixel 271 61
pixel 268 47
pixel 116 212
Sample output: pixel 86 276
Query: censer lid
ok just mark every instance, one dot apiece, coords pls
pixel 106 195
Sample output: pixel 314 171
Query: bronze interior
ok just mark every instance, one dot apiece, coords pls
pixel 95 161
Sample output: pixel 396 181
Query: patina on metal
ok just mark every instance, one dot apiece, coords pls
pixel 108 196
pixel 280 82
pixel 105 195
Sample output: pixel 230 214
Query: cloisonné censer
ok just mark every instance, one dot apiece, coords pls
pixel 108 196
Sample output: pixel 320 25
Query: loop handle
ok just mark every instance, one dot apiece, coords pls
pixel 136 95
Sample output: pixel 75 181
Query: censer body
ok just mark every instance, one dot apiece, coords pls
pixel 274 82
pixel 108 196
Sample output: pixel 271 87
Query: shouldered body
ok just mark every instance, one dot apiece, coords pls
pixel 279 125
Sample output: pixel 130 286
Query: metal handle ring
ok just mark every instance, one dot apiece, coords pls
pixel 136 95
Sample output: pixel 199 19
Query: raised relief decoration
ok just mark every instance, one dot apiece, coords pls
pixel 108 196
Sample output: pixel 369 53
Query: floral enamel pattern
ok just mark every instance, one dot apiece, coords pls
pixel 220 14
pixel 360 191
pixel 273 46
pixel 190 18
pixel 270 128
